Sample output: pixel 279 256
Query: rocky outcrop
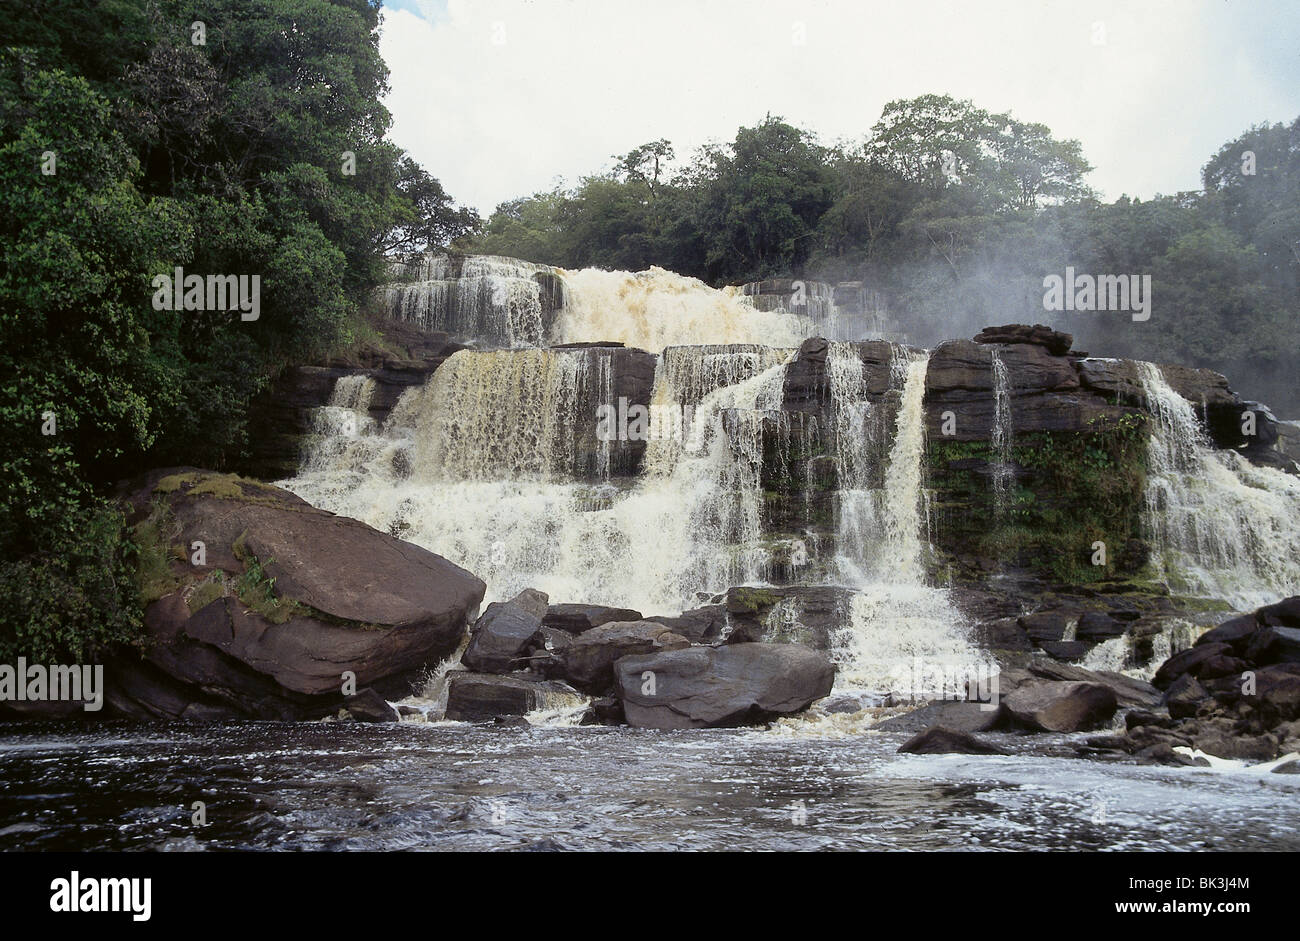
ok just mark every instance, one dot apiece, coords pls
pixel 577 618
pixel 1234 694
pixel 280 418
pixel 714 687
pixel 264 603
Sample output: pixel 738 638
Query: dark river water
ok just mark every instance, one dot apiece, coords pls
pixel 418 786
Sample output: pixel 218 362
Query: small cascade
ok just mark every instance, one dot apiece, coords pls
pixel 902 635
pixel 1220 526
pixel 476 296
pixel 1001 436
pixel 655 309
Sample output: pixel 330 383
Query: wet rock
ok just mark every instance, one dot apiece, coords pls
pixel 1186 661
pixel 577 618
pixel 938 740
pixel 1128 691
pixel 1096 627
pixel 503 632
pixel 698 625
pixel 713 687
pixel 1065 650
pixel 1060 707
pixel 1162 753
pixel 606 710
pixel 589 660
pixel 475 697
pixel 1288 767
pixel 334 596
pixel 956 716
pixel 369 706
pixel 1055 342
pixel 1185 696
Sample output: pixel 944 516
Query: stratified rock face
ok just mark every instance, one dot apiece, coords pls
pixel 577 618
pixel 1060 707
pixel 716 687
pixel 286 599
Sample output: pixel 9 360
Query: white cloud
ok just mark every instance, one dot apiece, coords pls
pixel 498 98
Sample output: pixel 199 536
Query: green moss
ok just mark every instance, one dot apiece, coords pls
pixel 155 551
pixel 206 592
pixel 751 599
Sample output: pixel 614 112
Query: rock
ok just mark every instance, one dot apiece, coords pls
pixel 1056 343
pixel 606 710
pixel 956 716
pixel 1226 744
pixel 1286 613
pixel 810 615
pixel 1048 625
pixel 474 697
pixel 1002 634
pixel 305 596
pixel 589 660
pixel 713 687
pixel 577 618
pixel 938 740
pixel 1096 627
pixel 1185 696
pixel 369 706
pixel 1235 633
pixel 1066 650
pixel 1162 753
pixel 1273 644
pixel 1128 691
pixel 502 633
pixel 1186 661
pixel 698 625
pixel 1061 707
pixel 1288 767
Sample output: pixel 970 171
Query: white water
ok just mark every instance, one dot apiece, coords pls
pixel 1220 526
pixel 655 309
pixel 474 467
pixel 493 297
pixel 1000 440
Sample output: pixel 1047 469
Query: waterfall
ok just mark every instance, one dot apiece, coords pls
pixel 1220 526
pixel 899 627
pixel 1001 436
pixel 479 464
pixel 485 296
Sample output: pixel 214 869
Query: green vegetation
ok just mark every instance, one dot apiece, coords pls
pixel 127 150
pixel 1081 488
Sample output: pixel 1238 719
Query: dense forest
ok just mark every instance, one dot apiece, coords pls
pixel 136 137
pixel 139 136
pixel 953 216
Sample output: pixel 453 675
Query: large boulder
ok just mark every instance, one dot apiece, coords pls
pixel 1060 707
pixel 478 697
pixel 589 660
pixel 503 632
pixel 713 687
pixel 282 600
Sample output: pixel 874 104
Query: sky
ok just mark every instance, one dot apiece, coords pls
pixel 504 98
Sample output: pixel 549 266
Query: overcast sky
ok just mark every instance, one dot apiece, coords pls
pixel 500 98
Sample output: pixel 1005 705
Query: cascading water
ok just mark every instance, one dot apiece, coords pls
pixel 1000 440
pixel 1220 526
pixel 896 622
pixel 504 299
pixel 655 309
pixel 478 466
